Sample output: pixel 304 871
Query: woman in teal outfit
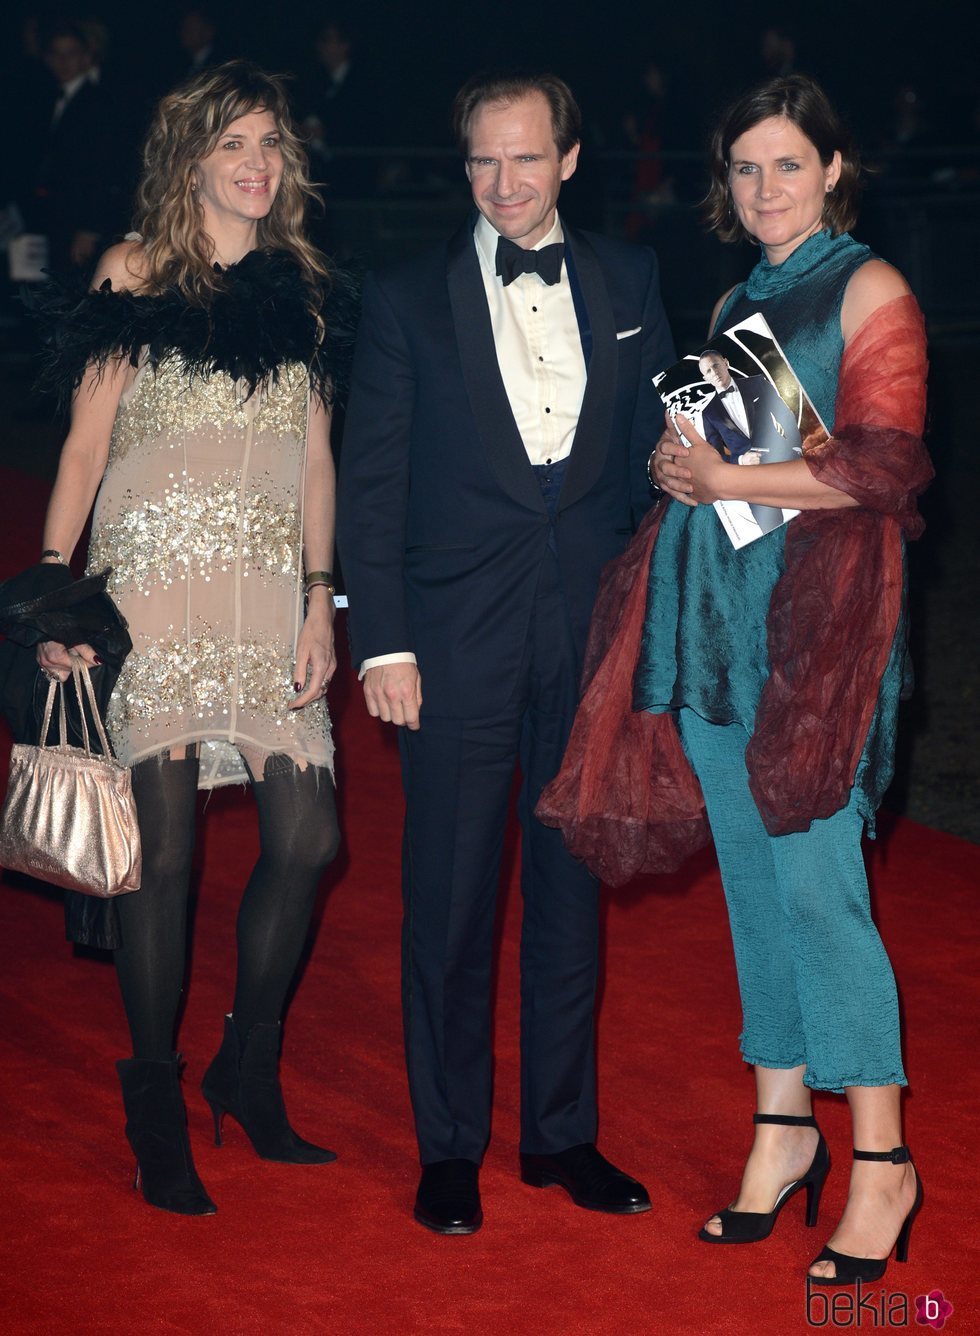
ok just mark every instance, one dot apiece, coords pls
pixel 819 1001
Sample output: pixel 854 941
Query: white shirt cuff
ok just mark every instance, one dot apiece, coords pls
pixel 381 659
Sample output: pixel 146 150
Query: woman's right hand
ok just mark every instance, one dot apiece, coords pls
pixel 54 660
pixel 668 470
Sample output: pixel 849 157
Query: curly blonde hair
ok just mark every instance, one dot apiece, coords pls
pixel 175 249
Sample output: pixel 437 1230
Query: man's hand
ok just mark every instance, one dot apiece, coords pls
pixel 393 692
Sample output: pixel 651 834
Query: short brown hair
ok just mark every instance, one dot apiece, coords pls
pixel 801 100
pixel 566 119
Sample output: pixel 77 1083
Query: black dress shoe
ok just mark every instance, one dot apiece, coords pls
pixel 448 1199
pixel 588 1178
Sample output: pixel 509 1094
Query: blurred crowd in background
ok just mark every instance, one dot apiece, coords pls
pixel 372 86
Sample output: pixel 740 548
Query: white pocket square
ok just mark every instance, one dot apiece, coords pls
pixel 627 333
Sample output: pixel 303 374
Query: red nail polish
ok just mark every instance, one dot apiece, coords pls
pixel 97 660
pixel 297 686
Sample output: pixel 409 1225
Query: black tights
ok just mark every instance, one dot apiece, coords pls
pixel 298 838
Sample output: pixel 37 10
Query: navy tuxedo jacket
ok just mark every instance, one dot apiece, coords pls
pixel 442 527
pixel 762 404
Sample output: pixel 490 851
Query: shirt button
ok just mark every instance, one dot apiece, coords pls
pixel 540 359
pixel 547 410
pixel 534 308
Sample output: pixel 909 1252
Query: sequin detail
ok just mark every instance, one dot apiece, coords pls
pixel 200 528
pixel 199 515
pixel 173 401
pixel 204 677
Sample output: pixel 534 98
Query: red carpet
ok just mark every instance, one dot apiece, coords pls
pixel 333 1249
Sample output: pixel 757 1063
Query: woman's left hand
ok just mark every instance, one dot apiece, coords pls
pixel 316 660
pixel 707 472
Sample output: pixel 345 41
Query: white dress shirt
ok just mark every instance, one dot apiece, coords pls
pixel 734 406
pixel 539 352
pixel 539 348
pixel 68 91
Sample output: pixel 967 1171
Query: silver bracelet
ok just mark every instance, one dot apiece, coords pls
pixel 654 485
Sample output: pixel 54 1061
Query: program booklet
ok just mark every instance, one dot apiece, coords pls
pixel 740 393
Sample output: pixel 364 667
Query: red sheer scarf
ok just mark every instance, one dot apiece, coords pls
pixel 626 799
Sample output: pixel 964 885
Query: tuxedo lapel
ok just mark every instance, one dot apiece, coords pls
pixel 751 402
pixel 591 444
pixel 481 373
pixel 581 311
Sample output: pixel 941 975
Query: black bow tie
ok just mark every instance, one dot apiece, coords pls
pixel 729 390
pixel 513 260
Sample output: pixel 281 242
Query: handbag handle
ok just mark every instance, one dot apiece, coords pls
pixel 80 675
pixel 80 671
pixel 54 686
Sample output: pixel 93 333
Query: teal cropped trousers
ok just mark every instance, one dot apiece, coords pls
pixel 816 984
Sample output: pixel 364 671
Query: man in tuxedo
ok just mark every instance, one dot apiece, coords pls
pixel 495 457
pixel 199 41
pixel 75 199
pixel 748 423
pixel 340 110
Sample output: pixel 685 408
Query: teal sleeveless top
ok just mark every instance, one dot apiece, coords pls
pixel 704 640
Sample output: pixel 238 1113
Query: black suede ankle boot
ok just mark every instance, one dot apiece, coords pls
pixel 156 1128
pixel 243 1080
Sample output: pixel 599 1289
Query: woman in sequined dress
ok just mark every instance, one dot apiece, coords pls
pixel 202 365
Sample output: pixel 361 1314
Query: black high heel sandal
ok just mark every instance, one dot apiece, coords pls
pixel 869 1269
pixel 754 1226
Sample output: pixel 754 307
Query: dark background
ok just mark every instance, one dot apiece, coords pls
pixel 860 50
pixel 420 52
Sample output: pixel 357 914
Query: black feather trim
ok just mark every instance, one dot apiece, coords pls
pixel 256 322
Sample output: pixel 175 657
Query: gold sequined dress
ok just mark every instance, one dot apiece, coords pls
pixel 200 516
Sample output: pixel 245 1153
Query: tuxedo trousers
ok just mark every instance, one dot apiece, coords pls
pixel 458 776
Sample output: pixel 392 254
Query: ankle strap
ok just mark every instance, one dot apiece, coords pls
pixel 900 1155
pixel 786 1120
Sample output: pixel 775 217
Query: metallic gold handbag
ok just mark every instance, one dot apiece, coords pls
pixel 69 817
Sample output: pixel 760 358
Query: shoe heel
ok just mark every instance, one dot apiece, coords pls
pixel 814 1188
pixel 902 1244
pixel 137 1177
pixel 217 1113
pixel 536 1178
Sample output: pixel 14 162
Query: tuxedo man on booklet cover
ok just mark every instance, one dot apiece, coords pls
pixel 494 458
pixel 748 423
